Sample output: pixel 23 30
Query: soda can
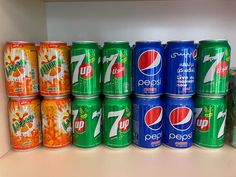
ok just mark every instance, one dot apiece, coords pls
pixel 180 67
pixel 56 116
pixel 231 106
pixel 148 68
pixel 117 123
pixel 25 123
pixel 178 122
pixel 147 121
pixel 87 114
pixel 85 68
pixel 213 66
pixel 116 68
pixel 210 116
pixel 54 74
pixel 21 69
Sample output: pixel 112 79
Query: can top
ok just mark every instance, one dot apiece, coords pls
pixel 117 96
pixel 214 41
pixel 148 42
pixel 24 98
pixel 20 43
pixel 116 42
pixel 180 41
pixel 147 96
pixel 85 44
pixel 211 96
pixel 179 96
pixel 86 97
pixel 53 43
pixel 56 97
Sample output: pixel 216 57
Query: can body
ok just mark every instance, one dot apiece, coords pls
pixel 231 108
pixel 213 66
pixel 25 123
pixel 21 69
pixel 85 68
pixel 87 114
pixel 147 122
pixel 54 75
pixel 116 68
pixel 117 123
pixel 56 117
pixel 178 122
pixel 180 68
pixel 210 115
pixel 148 68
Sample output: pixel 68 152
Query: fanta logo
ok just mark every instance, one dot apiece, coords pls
pixel 123 124
pixel 202 123
pixel 222 69
pixel 153 118
pixel 118 70
pixel 79 125
pixel 23 123
pixel 149 62
pixel 86 70
pixel 181 118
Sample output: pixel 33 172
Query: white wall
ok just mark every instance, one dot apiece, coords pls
pixel 19 20
pixel 132 21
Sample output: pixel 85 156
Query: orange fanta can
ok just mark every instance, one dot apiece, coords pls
pixel 21 69
pixel 25 123
pixel 54 74
pixel 56 117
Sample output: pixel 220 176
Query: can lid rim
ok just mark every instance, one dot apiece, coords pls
pixel 211 96
pixel 172 41
pixel 20 42
pixel 86 97
pixel 24 97
pixel 214 40
pixel 116 42
pixel 53 42
pixel 56 97
pixel 84 42
pixel 179 96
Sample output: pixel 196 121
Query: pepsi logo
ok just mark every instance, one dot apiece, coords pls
pixel 181 118
pixel 150 62
pixel 195 53
pixel 153 118
pixel 79 125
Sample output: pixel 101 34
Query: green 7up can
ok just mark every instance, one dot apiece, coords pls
pixel 210 117
pixel 116 68
pixel 117 128
pixel 213 66
pixel 87 115
pixel 85 68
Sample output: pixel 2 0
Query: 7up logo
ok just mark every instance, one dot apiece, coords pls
pixel 83 69
pixel 203 123
pixel 79 124
pixel 117 69
pixel 218 67
pixel 120 123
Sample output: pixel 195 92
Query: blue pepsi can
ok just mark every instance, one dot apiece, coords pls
pixel 180 71
pixel 178 122
pixel 147 121
pixel 148 68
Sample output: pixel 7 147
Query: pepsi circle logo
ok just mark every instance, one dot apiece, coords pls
pixel 195 53
pixel 181 118
pixel 153 118
pixel 150 62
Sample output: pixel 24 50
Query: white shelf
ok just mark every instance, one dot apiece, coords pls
pixel 128 162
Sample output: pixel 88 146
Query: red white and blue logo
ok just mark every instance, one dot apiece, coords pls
pixel 150 62
pixel 181 118
pixel 153 118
